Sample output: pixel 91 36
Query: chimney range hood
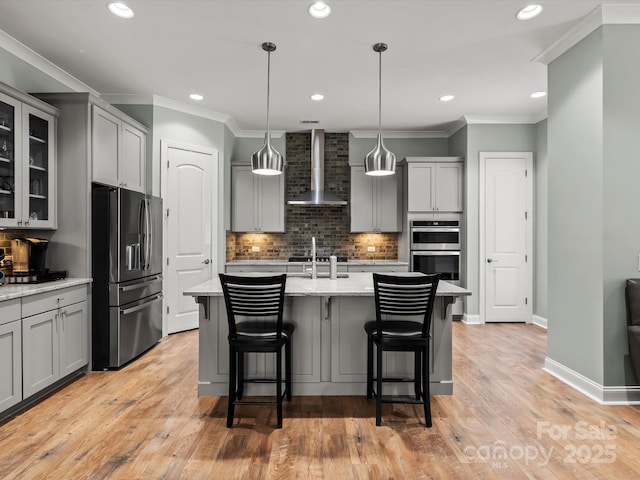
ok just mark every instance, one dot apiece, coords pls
pixel 317 195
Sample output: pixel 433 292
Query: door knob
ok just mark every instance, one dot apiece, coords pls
pixel 207 261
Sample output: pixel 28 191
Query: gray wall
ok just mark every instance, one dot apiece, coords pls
pixel 621 175
pixel 245 147
pixel 594 229
pixel 485 138
pixel 402 147
pixel 575 219
pixel 540 218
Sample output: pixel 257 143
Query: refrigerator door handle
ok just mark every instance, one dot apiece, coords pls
pixel 141 306
pixel 148 233
pixel 138 285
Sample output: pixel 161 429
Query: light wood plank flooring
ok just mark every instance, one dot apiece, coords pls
pixel 507 419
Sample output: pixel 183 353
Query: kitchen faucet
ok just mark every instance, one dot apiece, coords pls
pixel 314 271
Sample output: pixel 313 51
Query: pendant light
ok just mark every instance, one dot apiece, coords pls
pixel 380 161
pixel 267 160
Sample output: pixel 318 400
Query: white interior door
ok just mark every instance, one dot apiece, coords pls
pixel 507 259
pixel 191 190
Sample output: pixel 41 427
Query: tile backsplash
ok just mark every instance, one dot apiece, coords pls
pixel 329 224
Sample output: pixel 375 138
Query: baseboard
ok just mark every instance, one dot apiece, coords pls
pixel 619 395
pixel 540 321
pixel 472 319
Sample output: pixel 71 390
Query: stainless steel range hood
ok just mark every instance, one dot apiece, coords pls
pixel 317 195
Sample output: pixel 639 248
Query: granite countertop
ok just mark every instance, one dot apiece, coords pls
pixel 356 285
pixel 284 261
pixel 10 291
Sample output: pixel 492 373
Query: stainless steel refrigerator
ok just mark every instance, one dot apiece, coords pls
pixel 126 251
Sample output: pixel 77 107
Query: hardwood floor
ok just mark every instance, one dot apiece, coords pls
pixel 507 419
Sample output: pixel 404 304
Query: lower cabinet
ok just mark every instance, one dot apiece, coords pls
pixel 55 337
pixel 10 355
pixel 304 313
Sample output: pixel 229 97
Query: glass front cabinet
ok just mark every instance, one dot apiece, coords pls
pixel 27 164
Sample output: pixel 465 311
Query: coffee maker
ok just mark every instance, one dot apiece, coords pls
pixel 29 256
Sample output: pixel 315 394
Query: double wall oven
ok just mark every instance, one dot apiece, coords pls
pixel 435 248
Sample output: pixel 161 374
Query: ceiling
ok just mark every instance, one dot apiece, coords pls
pixel 476 50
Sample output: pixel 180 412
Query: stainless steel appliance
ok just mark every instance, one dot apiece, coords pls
pixel 435 235
pixel 127 275
pixel 446 263
pixel 435 248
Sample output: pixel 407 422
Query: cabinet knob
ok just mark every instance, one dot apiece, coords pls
pixel 207 261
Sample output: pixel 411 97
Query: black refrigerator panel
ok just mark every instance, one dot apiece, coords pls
pixel 127 275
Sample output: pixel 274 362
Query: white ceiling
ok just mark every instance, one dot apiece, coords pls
pixel 474 49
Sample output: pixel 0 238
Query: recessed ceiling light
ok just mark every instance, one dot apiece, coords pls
pixel 538 94
pixel 317 97
pixel 120 9
pixel 447 98
pixel 529 12
pixel 319 10
pixel 196 96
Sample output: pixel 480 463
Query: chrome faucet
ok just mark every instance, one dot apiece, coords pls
pixel 314 271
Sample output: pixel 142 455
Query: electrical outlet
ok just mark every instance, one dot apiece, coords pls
pixel 255 249
pixel 371 248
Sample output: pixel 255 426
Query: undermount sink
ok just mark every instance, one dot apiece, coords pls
pixel 319 275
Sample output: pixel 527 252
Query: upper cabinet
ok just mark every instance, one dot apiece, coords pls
pixel 118 151
pixel 257 203
pixel 374 202
pixel 434 184
pixel 27 161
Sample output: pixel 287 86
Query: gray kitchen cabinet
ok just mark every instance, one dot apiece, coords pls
pixel 304 313
pixel 118 151
pixel 257 203
pixel 434 184
pixel 27 161
pixel 374 202
pixel 349 360
pixel 55 335
pixel 10 354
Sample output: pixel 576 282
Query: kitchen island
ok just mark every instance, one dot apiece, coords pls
pixel 329 343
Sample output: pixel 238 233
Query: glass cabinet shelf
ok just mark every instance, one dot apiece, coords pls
pixel 5 192
pixel 5 160
pixel 5 128
pixel 36 139
pixel 36 167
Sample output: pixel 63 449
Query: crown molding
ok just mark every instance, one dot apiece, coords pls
pixel 176 105
pixel 601 15
pixel 36 60
pixel 502 119
pixel 399 134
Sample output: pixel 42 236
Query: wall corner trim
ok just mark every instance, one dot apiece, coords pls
pixel 540 321
pixel 601 15
pixel 617 395
pixel 472 319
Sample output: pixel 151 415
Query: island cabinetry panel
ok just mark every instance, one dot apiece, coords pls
pixel 349 345
pixel 118 151
pixel 56 340
pixel 304 313
pixel 434 186
pixel 27 161
pixel 374 202
pixel 257 203
pixel 10 354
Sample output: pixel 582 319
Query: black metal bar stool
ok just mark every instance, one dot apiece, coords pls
pixel 248 301
pixel 404 304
